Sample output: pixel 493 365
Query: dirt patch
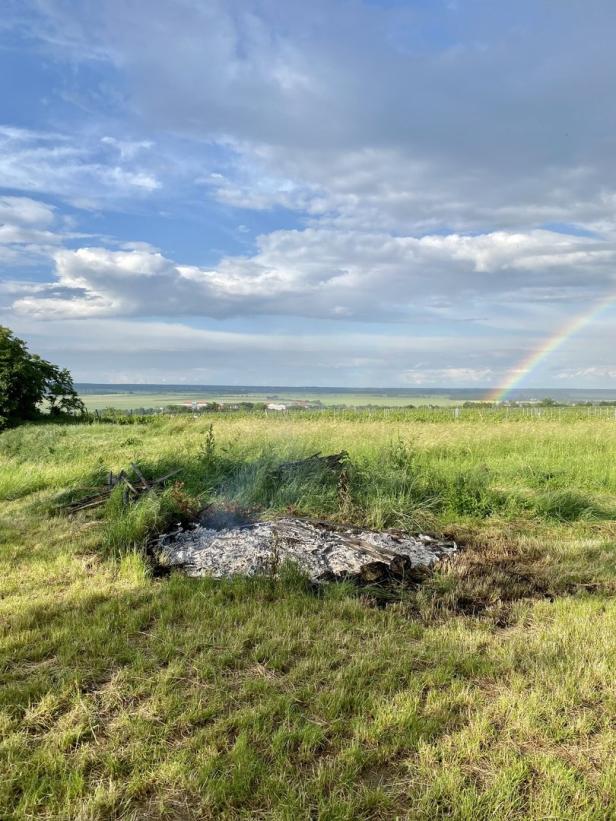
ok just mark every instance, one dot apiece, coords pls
pixel 488 578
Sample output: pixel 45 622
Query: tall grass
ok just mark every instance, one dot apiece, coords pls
pixel 400 475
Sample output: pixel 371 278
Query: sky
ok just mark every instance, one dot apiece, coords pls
pixel 353 193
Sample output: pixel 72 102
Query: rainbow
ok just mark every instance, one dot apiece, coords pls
pixel 530 361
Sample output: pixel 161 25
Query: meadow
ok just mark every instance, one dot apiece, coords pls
pixel 127 400
pixel 486 692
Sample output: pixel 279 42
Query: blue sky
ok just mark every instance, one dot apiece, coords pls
pixel 337 193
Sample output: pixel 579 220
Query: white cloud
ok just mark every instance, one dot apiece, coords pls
pixel 28 230
pixel 25 211
pixel 75 168
pixel 128 149
pixel 593 372
pixel 460 377
pixel 329 273
pixel 358 108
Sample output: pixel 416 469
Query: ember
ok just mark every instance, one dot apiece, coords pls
pixel 322 551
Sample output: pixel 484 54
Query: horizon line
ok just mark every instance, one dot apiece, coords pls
pixel 360 389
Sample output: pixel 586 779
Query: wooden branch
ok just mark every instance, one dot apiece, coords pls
pixel 130 487
pixel 167 476
pixel 140 475
pixel 130 491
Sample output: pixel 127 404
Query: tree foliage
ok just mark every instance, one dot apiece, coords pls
pixel 29 384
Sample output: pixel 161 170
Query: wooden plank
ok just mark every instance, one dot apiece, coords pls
pixel 146 486
pixel 131 488
pixel 95 503
pixel 167 476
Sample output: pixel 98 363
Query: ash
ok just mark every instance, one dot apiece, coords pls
pixel 322 551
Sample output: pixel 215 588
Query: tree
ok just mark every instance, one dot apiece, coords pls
pixel 28 382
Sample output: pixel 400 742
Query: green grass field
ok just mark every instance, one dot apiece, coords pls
pixel 131 401
pixel 486 693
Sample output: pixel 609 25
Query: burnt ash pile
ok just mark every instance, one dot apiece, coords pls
pixel 321 550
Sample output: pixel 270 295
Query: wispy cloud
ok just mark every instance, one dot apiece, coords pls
pixel 85 172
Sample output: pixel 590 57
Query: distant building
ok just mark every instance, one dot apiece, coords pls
pixel 195 405
pixel 275 406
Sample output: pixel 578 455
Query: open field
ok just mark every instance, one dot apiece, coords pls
pixel 486 693
pixel 131 401
pixel 132 397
